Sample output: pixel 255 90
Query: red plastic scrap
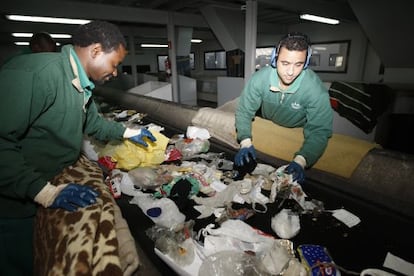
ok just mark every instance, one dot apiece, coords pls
pixel 107 162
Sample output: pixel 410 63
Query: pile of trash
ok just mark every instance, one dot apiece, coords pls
pixel 178 184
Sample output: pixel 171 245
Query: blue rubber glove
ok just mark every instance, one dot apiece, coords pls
pixel 145 133
pixel 74 196
pixel 297 172
pixel 245 155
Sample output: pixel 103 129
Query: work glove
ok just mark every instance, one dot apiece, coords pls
pixel 297 172
pixel 138 136
pixel 73 196
pixel 246 154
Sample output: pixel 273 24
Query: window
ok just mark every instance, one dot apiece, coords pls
pixel 161 62
pixel 263 56
pixel 235 63
pixel 192 61
pixel 330 57
pixel 215 60
pixel 127 69
pixel 315 60
pixel 143 68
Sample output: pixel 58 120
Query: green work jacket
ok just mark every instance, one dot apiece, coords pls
pixel 44 117
pixel 304 104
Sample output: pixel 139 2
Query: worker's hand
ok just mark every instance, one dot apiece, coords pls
pixel 246 154
pixel 74 196
pixel 139 138
pixel 297 172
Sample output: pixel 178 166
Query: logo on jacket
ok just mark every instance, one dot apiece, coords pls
pixel 295 105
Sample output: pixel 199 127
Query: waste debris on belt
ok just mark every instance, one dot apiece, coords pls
pixel 178 183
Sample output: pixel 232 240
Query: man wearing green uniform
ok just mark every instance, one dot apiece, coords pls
pixel 42 42
pixel 46 109
pixel 290 95
pixel 39 43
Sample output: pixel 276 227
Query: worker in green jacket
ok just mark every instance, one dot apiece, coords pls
pixel 46 109
pixel 39 43
pixel 291 95
pixel 42 42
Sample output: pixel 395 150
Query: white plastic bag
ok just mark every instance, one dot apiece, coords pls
pixel 126 185
pixel 194 132
pixel 235 235
pixel 162 211
pixel 286 224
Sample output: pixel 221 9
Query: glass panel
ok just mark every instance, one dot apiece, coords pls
pixel 161 63
pixel 331 57
pixel 215 60
pixel 263 55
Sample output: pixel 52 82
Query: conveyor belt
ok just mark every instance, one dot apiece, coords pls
pixel 381 229
pixel 383 177
pixel 357 248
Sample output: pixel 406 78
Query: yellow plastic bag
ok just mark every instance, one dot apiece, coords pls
pixel 129 155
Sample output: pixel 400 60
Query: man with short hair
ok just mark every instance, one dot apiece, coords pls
pixel 39 43
pixel 291 95
pixel 42 42
pixel 46 109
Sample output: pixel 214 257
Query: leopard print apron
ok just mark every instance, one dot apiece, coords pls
pixel 83 242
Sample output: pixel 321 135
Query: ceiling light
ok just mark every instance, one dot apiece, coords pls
pixel 154 46
pixel 61 35
pixel 22 34
pixel 27 43
pixel 196 40
pixel 31 34
pixel 22 43
pixel 47 19
pixel 319 19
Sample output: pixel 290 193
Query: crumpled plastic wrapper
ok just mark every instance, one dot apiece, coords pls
pixel 194 132
pixel 286 224
pixel 277 258
pixel 149 178
pixel 231 263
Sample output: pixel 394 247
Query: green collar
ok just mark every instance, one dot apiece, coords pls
pixel 274 83
pixel 86 84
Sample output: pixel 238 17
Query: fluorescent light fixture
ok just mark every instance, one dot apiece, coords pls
pixel 61 35
pixel 22 34
pixel 149 45
pixel 31 34
pixel 22 43
pixel 319 19
pixel 44 19
pixel 154 45
pixel 27 43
